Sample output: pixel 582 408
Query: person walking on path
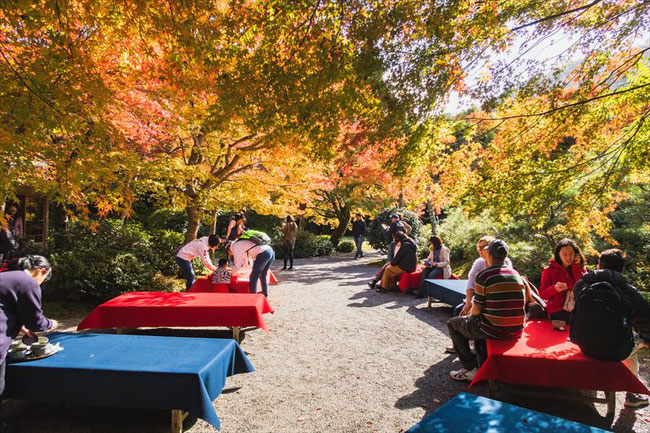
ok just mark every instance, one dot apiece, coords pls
pixel 243 251
pixel 289 234
pixel 197 248
pixel 359 233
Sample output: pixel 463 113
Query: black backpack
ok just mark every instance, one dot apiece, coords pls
pixel 598 324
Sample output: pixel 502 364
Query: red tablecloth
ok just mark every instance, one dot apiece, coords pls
pixel 154 309
pixel 239 283
pixel 410 280
pixel 545 357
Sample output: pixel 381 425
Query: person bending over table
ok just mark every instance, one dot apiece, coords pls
pixel 20 306
pixel 558 279
pixel 592 328
pixel 405 260
pixel 498 311
pixel 197 248
pixel 262 256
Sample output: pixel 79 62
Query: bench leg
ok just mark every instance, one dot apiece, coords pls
pixel 429 301
pixel 177 420
pixel 236 333
pixel 610 396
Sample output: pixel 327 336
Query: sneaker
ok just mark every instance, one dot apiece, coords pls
pixel 464 375
pixel 290 268
pixel 635 400
pixel 450 350
pixel 284 269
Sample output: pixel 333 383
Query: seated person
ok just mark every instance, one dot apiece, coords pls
pixel 558 279
pixel 488 318
pixel 405 260
pixel 222 274
pixel 602 297
pixel 436 264
pixel 478 265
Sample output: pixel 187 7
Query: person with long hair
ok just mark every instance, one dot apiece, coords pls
pixel 558 279
pixel 289 234
pixel 20 305
pixel 437 264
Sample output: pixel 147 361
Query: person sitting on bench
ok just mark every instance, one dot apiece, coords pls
pixel 498 311
pixel 607 312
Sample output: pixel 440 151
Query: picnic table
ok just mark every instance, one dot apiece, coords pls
pixel 467 413
pixel 545 357
pixel 183 375
pixel 163 309
pixel 449 291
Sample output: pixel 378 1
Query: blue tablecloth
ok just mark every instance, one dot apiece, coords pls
pixel 131 371
pixel 450 292
pixel 467 413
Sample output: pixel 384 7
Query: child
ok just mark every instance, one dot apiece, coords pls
pixel 222 274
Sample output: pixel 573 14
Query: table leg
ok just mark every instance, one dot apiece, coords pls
pixel 429 301
pixel 492 384
pixel 610 396
pixel 177 420
pixel 236 333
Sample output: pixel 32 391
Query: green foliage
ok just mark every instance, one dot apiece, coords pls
pixel 345 247
pixel 307 245
pixel 376 234
pixel 113 259
pixel 164 244
pixel 168 219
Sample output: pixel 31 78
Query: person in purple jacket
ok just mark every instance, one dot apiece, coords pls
pixel 20 305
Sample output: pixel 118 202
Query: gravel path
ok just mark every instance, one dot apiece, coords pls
pixel 339 358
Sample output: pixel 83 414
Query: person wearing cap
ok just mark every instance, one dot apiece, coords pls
pixel 395 226
pixel 498 311
pixel 197 248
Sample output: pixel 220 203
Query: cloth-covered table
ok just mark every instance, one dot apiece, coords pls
pixel 134 371
pixel 239 283
pixel 545 357
pixel 451 291
pixel 467 413
pixel 158 309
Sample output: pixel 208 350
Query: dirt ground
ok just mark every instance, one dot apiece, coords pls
pixel 339 358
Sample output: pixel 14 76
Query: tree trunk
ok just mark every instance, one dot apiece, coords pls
pixel 193 222
pixel 343 216
pixel 213 230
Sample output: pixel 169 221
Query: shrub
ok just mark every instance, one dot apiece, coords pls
pixel 345 247
pixel 168 219
pixel 103 263
pixel 164 244
pixel 307 245
pixel 376 235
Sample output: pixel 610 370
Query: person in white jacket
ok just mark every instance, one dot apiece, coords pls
pixel 437 264
pixel 197 248
pixel 244 252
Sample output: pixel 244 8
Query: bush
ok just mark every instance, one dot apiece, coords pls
pixel 307 245
pixel 345 247
pixel 376 235
pixel 164 244
pixel 168 219
pixel 101 264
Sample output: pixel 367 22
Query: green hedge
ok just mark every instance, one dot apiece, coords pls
pixel 113 259
pixel 307 245
pixel 345 247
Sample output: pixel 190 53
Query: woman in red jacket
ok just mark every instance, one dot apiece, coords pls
pixel 558 279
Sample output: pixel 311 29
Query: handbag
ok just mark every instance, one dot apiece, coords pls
pixel 569 301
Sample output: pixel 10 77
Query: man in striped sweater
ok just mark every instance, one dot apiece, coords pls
pixel 498 311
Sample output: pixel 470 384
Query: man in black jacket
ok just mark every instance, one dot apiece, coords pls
pixel 405 260
pixel 358 232
pixel 636 312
